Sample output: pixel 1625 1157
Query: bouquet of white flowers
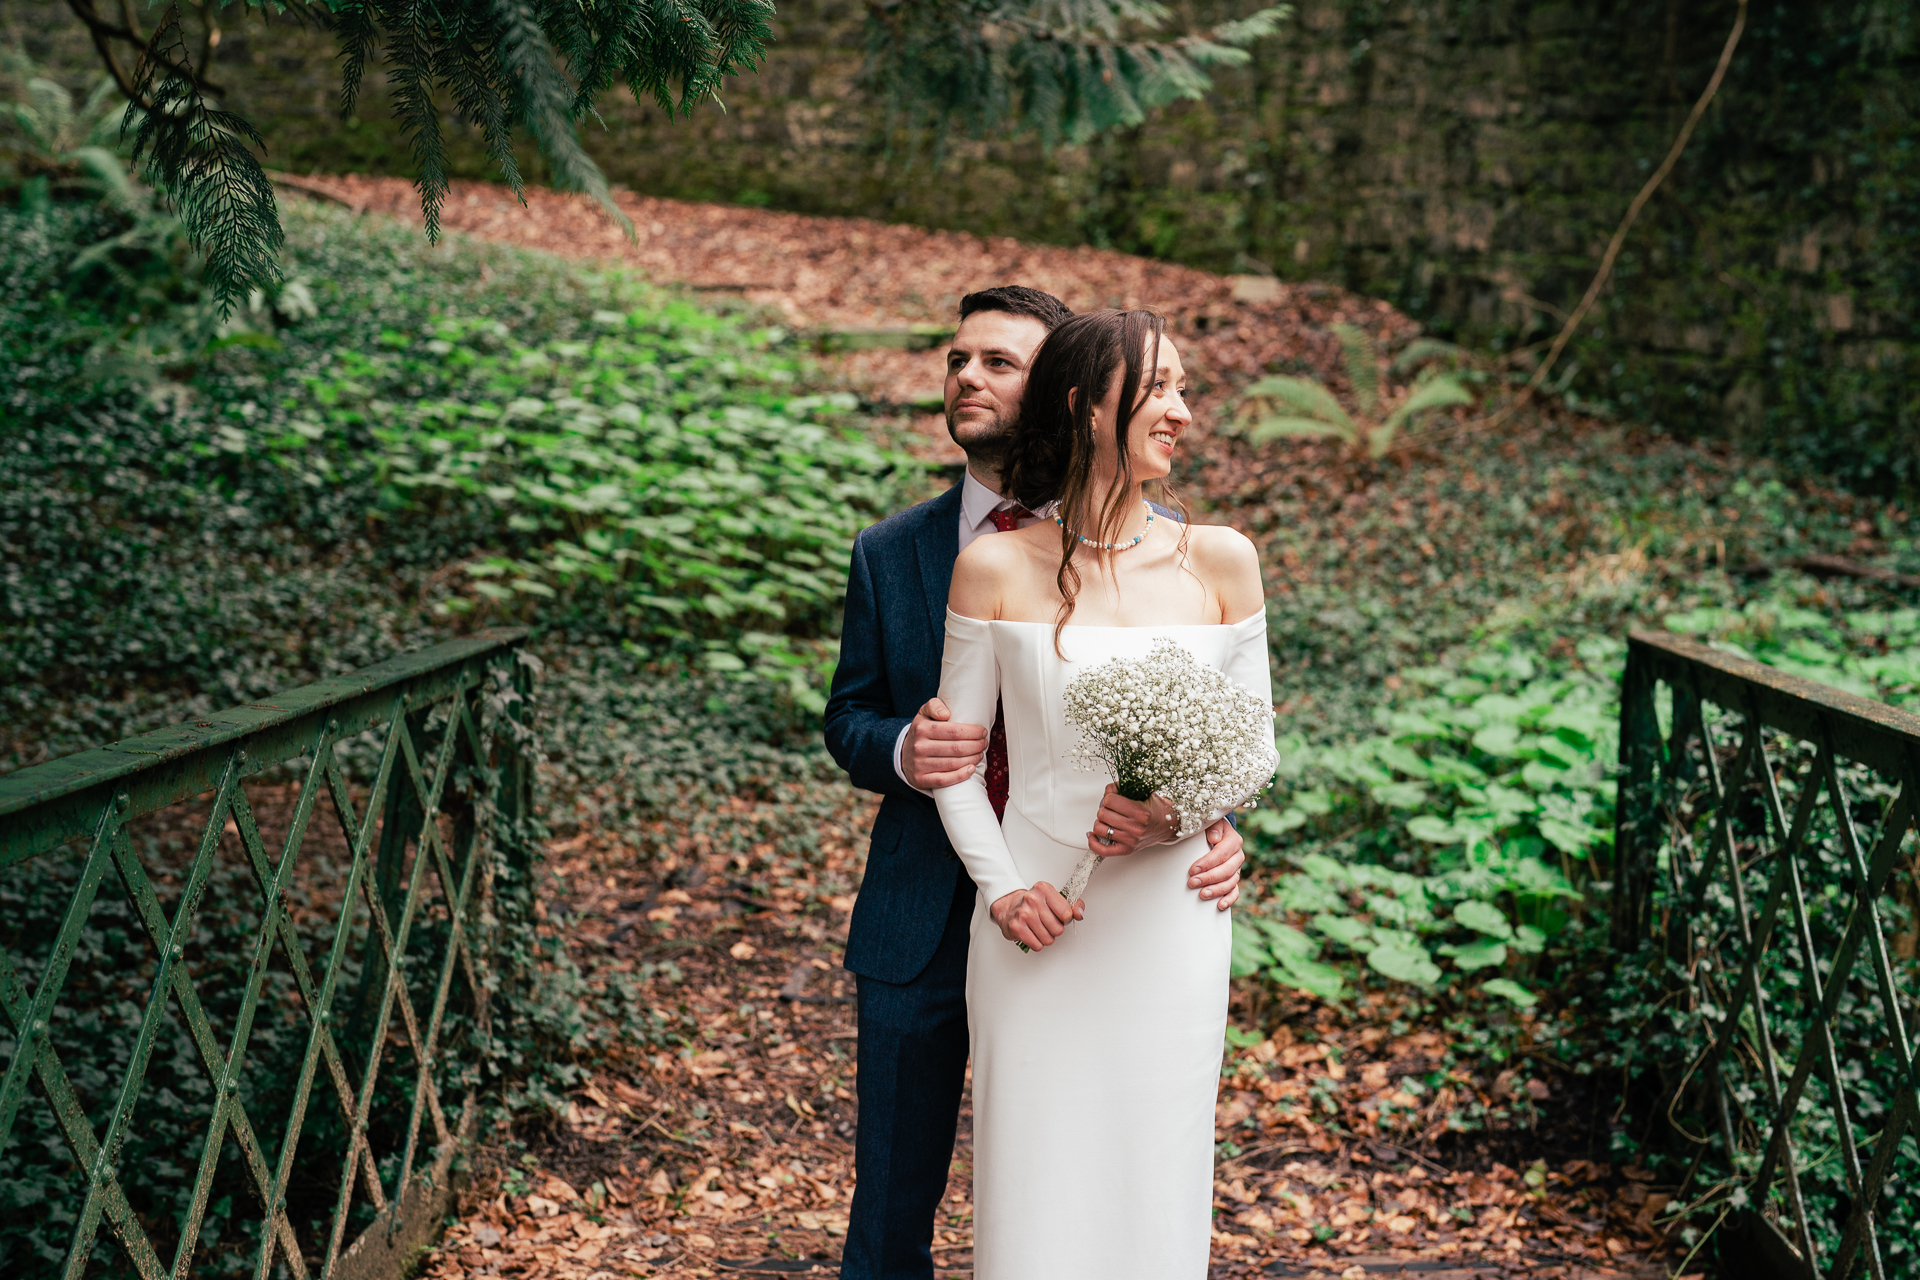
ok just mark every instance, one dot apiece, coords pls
pixel 1169 725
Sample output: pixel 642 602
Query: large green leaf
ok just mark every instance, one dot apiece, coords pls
pixel 1404 961
pixel 1249 950
pixel 1484 954
pixel 1310 976
pixel 1343 929
pixel 1501 738
pixel 1282 939
pixel 1484 917
pixel 1507 989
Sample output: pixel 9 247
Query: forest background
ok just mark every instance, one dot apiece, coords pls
pixel 1464 159
pixel 403 442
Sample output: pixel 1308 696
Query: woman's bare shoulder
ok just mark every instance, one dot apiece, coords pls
pixel 981 573
pixel 1226 560
pixel 1221 547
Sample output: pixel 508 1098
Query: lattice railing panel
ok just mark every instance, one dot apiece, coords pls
pixel 308 996
pixel 1762 837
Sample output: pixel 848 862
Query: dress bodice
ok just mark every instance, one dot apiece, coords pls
pixel 1015 664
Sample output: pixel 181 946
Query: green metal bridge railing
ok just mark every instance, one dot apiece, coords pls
pixel 434 738
pixel 1759 796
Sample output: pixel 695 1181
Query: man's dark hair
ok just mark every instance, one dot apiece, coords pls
pixel 1017 299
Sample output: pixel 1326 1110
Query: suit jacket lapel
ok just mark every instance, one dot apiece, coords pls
pixel 937 545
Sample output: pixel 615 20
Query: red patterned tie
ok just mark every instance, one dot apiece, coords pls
pixel 1003 520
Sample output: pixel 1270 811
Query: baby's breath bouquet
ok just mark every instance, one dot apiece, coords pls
pixel 1166 724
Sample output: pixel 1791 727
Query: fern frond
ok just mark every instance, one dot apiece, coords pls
pixel 1059 69
pixel 353 26
pixel 410 47
pixel 1363 366
pixel 545 101
pixel 99 109
pixel 1305 397
pixel 468 68
pixel 1437 392
pixel 111 176
pixel 1255 26
pixel 1270 429
pixel 1421 350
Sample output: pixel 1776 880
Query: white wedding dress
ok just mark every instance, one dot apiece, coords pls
pixel 1095 1061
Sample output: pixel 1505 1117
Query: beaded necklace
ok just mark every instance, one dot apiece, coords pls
pixel 1112 546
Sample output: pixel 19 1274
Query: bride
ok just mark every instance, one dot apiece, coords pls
pixel 1096 1050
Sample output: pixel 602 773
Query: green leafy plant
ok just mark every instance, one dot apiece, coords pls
pixel 1288 407
pixel 709 523
pixel 1478 804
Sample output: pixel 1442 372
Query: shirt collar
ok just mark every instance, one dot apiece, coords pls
pixel 977 501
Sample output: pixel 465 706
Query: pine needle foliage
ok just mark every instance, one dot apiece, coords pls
pixel 1063 70
pixel 202 158
pixel 540 65
pixel 536 65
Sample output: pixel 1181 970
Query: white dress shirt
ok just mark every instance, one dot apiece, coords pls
pixel 977 505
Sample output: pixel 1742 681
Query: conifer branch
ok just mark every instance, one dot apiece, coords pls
pixel 201 158
pixel 1062 69
pixel 546 106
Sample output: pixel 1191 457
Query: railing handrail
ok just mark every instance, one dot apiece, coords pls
pixel 182 760
pixel 1869 732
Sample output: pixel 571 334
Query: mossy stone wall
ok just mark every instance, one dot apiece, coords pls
pixel 1466 159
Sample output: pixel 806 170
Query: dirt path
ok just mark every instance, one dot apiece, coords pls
pixel 733 1154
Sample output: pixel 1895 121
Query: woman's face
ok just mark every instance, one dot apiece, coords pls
pixel 1159 421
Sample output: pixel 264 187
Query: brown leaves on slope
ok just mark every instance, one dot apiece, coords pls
pixel 840 274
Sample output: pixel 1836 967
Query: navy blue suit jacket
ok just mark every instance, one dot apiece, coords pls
pixel 890 646
pixel 895 629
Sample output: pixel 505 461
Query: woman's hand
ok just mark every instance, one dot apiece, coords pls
pixel 1035 917
pixel 1124 825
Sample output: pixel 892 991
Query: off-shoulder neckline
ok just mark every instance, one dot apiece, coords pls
pixel 1080 626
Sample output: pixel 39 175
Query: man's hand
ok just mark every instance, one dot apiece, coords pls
pixel 1035 917
pixel 1124 825
pixel 1217 873
pixel 937 754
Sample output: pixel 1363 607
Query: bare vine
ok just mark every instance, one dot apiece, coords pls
pixel 1612 254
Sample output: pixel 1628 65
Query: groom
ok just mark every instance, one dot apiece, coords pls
pixel 907 944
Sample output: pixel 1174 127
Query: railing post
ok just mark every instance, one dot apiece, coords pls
pixel 1634 839
pixel 516 767
pixel 400 824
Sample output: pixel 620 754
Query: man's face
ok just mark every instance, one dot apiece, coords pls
pixel 986 375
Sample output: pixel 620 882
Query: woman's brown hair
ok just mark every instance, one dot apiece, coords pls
pixel 1050 456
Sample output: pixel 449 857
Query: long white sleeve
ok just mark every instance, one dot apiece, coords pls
pixel 970 686
pixel 1249 663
